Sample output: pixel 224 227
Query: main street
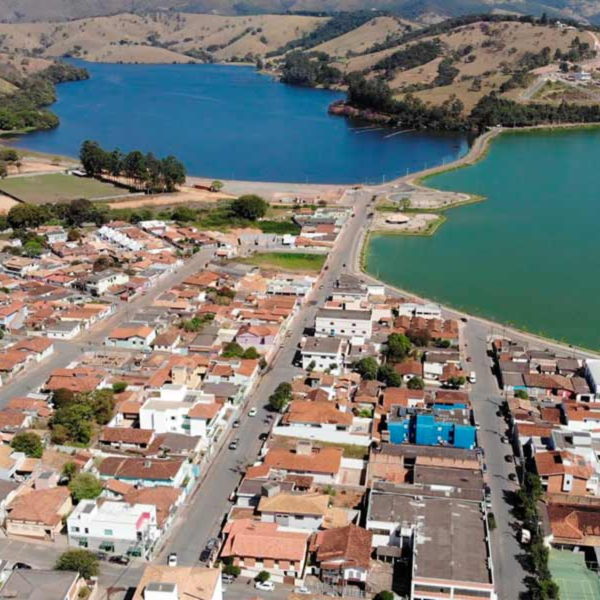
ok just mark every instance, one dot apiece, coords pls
pixel 65 352
pixel 202 517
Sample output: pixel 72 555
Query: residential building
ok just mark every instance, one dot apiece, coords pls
pixel 256 547
pixel 343 555
pixel 116 527
pixel 344 323
pixel 41 584
pixel 131 337
pixel 293 510
pixel 160 582
pixel 146 472
pixel 38 513
pixel 324 354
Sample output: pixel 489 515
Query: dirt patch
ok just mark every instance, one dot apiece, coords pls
pixel 184 196
pixel 6 203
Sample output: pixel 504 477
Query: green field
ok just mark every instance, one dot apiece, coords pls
pixel 57 187
pixel 574 579
pixel 287 261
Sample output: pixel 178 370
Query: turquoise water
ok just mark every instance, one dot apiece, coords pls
pixel 231 122
pixel 529 254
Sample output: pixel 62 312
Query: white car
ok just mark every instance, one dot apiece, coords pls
pixel 265 586
pixel 252 412
pixel 302 591
pixel 172 560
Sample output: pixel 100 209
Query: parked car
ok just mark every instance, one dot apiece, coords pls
pixel 205 555
pixel 22 565
pixel 101 555
pixel 512 476
pixel 265 586
pixel 172 560
pixel 508 458
pixel 121 560
pixel 233 445
pixel 212 543
pixel 302 590
pixel 504 439
pixel 252 412
pixel 236 424
pixel 263 436
pixel 227 578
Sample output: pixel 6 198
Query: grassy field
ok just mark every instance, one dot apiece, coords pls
pixel 56 187
pixel 287 261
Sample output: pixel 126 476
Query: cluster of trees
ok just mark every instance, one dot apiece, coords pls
pixel 542 587
pixel 25 109
pixel 234 350
pixel 76 415
pixel 8 156
pixel 73 214
pixel 337 25
pixel 250 207
pixel 281 397
pixel 369 369
pixel 85 486
pixel 310 70
pixel 28 442
pixel 447 72
pixel 399 347
pixel 81 561
pixel 143 171
pixel 490 111
pixel 197 323
pixel 410 57
pixel 577 52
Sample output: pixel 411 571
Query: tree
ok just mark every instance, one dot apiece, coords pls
pixel 419 337
pixel 281 397
pixel 184 214
pixel 216 186
pixel 3 169
pixel 75 420
pixel 119 387
pixel 28 442
pixel 83 562
pixel 522 395
pixel 93 158
pixel 251 353
pixel 173 172
pixel 263 576
pixel 232 570
pixel 81 211
pixel 74 235
pixel 388 375
pixel 9 155
pixel 415 383
pixel 84 486
pixel 61 397
pixel 385 595
pixel 69 470
pixel 233 350
pixel 367 368
pixel 250 206
pixel 33 249
pixel 23 216
pixel 455 381
pixel 398 346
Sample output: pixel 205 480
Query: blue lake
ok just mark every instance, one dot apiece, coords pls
pixel 232 122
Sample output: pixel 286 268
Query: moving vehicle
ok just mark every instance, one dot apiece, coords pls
pixel 22 565
pixel 252 412
pixel 121 560
pixel 233 445
pixel 265 586
pixel 172 560
pixel 472 377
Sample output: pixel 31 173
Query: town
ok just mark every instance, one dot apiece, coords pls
pixel 179 421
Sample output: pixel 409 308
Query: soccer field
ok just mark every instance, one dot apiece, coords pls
pixel 574 579
pixel 57 187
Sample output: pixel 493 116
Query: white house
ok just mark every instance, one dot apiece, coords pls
pixel 324 354
pixel 117 527
pixel 344 323
pixel 161 582
pixel 63 330
pixel 424 311
pixel 99 283
pixel 131 337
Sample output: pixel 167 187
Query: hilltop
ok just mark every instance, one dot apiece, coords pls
pixel 426 11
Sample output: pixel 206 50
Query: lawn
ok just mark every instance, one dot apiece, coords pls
pixel 57 187
pixel 287 261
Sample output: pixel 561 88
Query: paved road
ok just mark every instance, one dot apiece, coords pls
pixel 66 352
pixel 202 517
pixel 486 400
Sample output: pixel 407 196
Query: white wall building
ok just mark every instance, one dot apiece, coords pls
pixel 344 323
